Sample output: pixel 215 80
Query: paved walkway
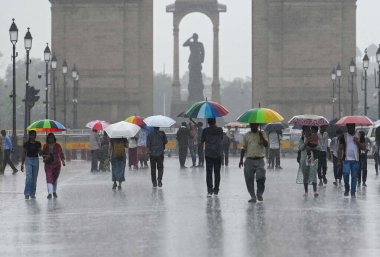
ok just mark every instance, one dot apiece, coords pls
pixel 89 219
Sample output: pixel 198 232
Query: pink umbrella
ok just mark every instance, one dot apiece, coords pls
pixel 97 124
pixel 357 120
pixel 308 120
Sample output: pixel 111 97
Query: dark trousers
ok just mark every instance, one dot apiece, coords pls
pixel 201 154
pixel 193 153
pixel 213 166
pixel 376 156
pixel 94 160
pixel 182 152
pixel 338 169
pixel 362 168
pixel 274 154
pixel 156 163
pixel 7 160
pixel 322 164
pixel 225 156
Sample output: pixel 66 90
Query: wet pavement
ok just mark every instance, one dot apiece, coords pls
pixel 89 219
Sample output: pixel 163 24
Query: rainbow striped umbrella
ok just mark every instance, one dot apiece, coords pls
pixel 206 110
pixel 138 120
pixel 46 126
pixel 260 115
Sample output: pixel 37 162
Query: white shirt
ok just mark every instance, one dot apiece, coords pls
pixel 274 142
pixel 334 145
pixel 132 143
pixel 323 141
pixel 352 148
pixel 94 141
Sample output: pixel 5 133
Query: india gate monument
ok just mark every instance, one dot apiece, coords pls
pixel 295 45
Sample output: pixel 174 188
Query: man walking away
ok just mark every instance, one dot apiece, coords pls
pixel 212 138
pixel 334 145
pixel 94 147
pixel 254 143
pixel 155 143
pixel 7 148
pixel 226 148
pixel 274 150
pixel 362 176
pixel 183 136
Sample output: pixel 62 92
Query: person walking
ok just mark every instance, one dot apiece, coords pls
pixel 117 155
pixel 31 151
pixel 156 142
pixel 274 138
pixel 226 142
pixel 183 135
pixel 94 147
pixel 53 157
pixel 132 153
pixel 104 164
pixel 253 148
pixel 7 149
pixel 201 154
pixel 1 156
pixel 141 148
pixel 308 165
pixel 334 145
pixel 193 144
pixel 212 137
pixel 323 138
pixel 376 156
pixel 362 176
pixel 348 154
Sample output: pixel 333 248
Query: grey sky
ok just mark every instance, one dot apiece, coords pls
pixel 235 30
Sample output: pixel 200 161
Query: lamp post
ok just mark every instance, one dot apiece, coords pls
pixel 47 55
pixel 53 68
pixel 74 74
pixel 28 46
pixel 13 34
pixel 64 72
pixel 333 77
pixel 339 75
pixel 352 71
pixel 378 86
pixel 365 66
pixel 75 101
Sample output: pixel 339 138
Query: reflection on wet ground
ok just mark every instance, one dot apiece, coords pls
pixel 89 219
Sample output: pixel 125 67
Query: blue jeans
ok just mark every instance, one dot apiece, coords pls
pixel 353 167
pixel 31 172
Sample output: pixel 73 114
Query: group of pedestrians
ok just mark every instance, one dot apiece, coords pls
pixel 349 155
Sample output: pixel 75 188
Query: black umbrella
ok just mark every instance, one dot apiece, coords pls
pixel 275 126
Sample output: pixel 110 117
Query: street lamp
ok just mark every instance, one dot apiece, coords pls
pixel 75 76
pixel 28 46
pixel 64 71
pixel 352 71
pixel 365 66
pixel 47 55
pixel 339 75
pixel 13 34
pixel 333 77
pixel 378 86
pixel 53 68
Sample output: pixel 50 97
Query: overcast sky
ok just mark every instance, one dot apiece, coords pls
pixel 235 33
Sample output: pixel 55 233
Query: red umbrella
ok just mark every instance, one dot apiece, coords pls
pixel 357 120
pixel 97 124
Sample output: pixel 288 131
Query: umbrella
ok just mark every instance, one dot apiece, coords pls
pixel 205 110
pixel 357 120
pixel 260 115
pixel 236 124
pixel 182 115
pixel 97 124
pixel 159 121
pixel 275 126
pixel 46 126
pixel 122 129
pixel 309 120
pixel 138 120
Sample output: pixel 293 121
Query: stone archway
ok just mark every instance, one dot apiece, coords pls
pixel 181 8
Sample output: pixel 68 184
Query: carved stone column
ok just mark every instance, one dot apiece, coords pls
pixel 176 93
pixel 215 80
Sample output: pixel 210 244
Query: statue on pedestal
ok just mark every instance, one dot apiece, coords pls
pixel 197 56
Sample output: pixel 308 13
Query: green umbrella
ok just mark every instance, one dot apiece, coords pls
pixel 260 115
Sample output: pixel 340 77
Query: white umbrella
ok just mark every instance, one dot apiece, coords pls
pixel 159 121
pixel 122 129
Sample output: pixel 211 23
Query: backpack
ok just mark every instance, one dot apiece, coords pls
pixel 119 149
